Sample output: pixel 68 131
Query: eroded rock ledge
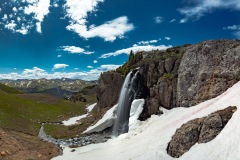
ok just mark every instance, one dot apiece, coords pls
pixel 200 130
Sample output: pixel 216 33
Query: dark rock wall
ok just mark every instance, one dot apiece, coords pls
pixel 161 80
pixel 108 89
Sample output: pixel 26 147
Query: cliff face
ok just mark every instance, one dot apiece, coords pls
pixel 108 89
pixel 207 69
pixel 180 76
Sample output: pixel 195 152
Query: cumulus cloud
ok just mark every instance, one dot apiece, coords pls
pixel 158 19
pixel 173 20
pixel 33 72
pixel 37 73
pixel 200 8
pixel 11 25
pixel 110 66
pixel 147 42
pixel 89 66
pixel 78 12
pixel 39 8
pixel 59 66
pixel 237 34
pixel 135 48
pixel 95 61
pixel 167 38
pixel 233 27
pixel 5 17
pixel 27 14
pixel 75 50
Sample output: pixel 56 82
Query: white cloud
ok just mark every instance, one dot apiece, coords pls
pixel 158 19
pixel 75 50
pixel 89 66
pixel 147 42
pixel 59 66
pixel 23 30
pixel 237 34
pixel 167 38
pixel 135 48
pixel 14 9
pixel 39 8
pixel 110 66
pixel 109 31
pixel 233 27
pixel 173 20
pixel 37 73
pixel 203 7
pixel 26 13
pixel 33 72
pixel 5 17
pixel 78 12
pixel 11 25
pixel 59 55
pixel 18 19
pixel 95 61
pixel 38 27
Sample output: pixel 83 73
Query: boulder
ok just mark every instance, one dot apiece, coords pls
pixel 211 127
pixel 200 130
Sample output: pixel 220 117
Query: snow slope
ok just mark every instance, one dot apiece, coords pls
pixel 149 141
pixel 74 120
pixel 106 121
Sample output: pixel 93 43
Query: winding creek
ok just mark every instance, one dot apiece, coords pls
pixel 75 141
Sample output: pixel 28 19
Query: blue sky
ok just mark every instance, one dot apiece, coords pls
pixel 82 38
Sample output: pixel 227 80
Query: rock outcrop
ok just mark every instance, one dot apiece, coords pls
pixel 200 130
pixel 207 69
pixel 160 72
pixel 108 89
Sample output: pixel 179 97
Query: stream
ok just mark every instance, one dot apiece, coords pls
pixel 75 141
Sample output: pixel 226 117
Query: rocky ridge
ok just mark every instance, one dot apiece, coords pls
pixel 180 76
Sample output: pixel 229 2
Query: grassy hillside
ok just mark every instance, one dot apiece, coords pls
pixel 7 89
pixel 25 112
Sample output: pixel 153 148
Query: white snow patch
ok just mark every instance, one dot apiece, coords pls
pixel 136 110
pixel 29 83
pixel 74 120
pixel 150 140
pixel 106 121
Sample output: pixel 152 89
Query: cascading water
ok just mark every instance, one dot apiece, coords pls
pixel 127 95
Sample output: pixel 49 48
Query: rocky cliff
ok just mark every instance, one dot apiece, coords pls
pixel 108 89
pixel 179 76
pixel 207 69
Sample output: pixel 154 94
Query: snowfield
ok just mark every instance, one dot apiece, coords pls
pixel 106 121
pixel 148 140
pixel 74 120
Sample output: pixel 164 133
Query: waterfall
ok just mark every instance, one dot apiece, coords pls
pixel 127 95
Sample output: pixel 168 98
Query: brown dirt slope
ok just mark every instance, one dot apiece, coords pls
pixel 19 146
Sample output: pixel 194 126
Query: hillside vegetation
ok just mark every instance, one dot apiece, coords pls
pixel 7 89
pixel 25 112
